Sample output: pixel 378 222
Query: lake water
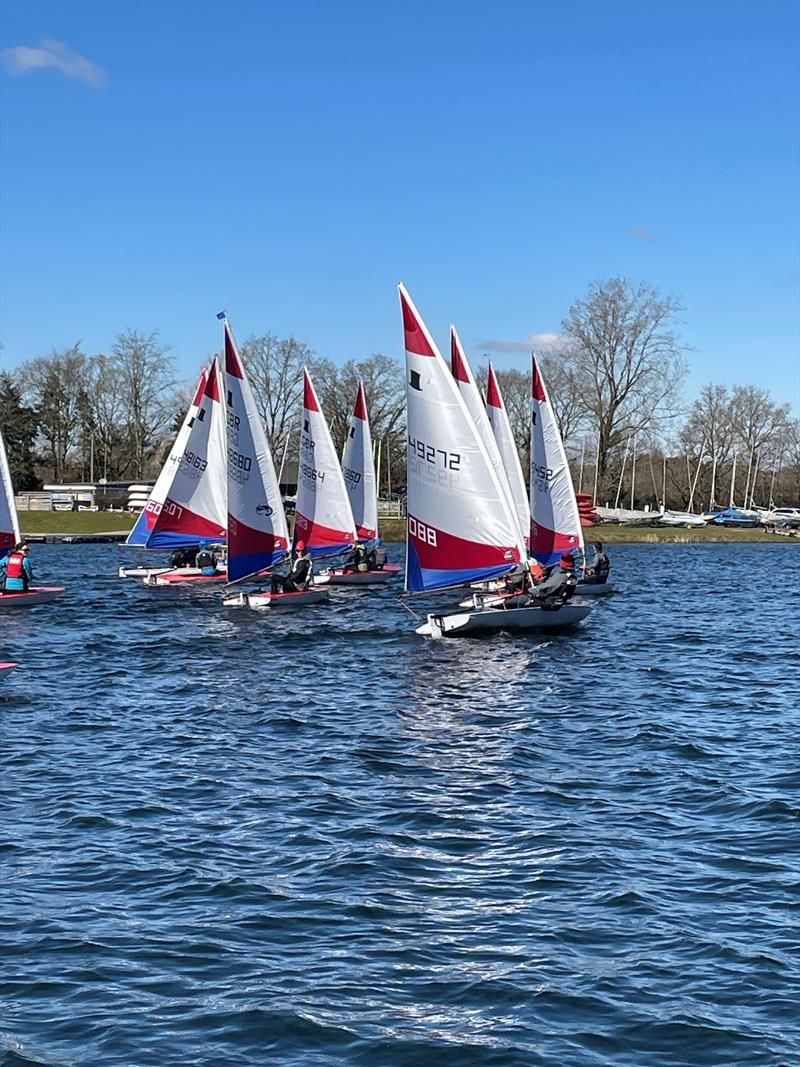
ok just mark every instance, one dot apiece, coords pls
pixel 321 840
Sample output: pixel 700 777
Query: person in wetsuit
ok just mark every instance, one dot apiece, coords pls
pixel 183 557
pixel 376 557
pixel 299 577
pixel 18 572
pixel 597 574
pixel 559 586
pixel 206 560
pixel 357 560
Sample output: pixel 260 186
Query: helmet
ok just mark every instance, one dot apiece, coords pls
pixel 567 561
pixel 300 546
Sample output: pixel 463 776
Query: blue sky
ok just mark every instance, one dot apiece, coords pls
pixel 292 162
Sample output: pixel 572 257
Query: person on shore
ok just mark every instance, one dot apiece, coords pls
pixel 299 577
pixel 18 572
pixel 597 574
pixel 357 560
pixel 206 560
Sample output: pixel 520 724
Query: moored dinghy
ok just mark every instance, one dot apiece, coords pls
pixel 358 468
pixel 461 527
pixel 194 509
pixel 258 537
pixel 10 536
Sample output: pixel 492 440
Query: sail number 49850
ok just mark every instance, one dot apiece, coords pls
pixel 451 461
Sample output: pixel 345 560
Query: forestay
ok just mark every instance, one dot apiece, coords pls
pixel 9 522
pixel 358 468
pixel 555 521
pixel 323 518
pixel 460 526
pixel 258 537
pixel 145 525
pixel 195 509
pixel 507 447
pixel 468 387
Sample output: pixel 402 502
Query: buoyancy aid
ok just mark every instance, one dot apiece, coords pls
pixel 15 565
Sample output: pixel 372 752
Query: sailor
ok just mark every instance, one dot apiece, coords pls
pixel 183 557
pixel 597 574
pixel 376 557
pixel 560 583
pixel 357 560
pixel 299 577
pixel 206 560
pixel 18 569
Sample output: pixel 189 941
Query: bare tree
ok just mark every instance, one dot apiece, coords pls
pixel 106 414
pixel 145 381
pixel 384 390
pixel 275 368
pixel 709 432
pixel 55 386
pixel 627 358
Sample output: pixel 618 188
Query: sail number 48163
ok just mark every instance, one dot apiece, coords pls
pixel 451 461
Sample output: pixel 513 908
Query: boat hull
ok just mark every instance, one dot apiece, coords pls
pixel 187 576
pixel 140 572
pixel 262 601
pixel 338 576
pixel 6 667
pixel 593 588
pixel 37 594
pixel 513 620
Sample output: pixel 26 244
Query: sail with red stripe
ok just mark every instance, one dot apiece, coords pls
pixel 323 517
pixel 460 525
pixel 194 509
pixel 144 527
pixel 507 447
pixel 258 536
pixel 555 520
pixel 468 387
pixel 9 522
pixel 358 468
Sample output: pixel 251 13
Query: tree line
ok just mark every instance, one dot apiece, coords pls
pixel 615 377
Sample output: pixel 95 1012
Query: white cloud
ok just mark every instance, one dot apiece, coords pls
pixel 49 53
pixel 534 342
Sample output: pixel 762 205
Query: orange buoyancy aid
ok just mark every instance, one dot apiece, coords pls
pixel 15 565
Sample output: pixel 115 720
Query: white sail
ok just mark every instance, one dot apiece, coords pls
pixel 323 518
pixel 258 536
pixel 358 467
pixel 460 527
pixel 507 447
pixel 9 522
pixel 144 527
pixel 468 387
pixel 555 520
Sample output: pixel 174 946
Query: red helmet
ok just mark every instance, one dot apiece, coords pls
pixel 300 546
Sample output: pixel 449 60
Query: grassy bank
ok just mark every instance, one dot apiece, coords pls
pixel 75 522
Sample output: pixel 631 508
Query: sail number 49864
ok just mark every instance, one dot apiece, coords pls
pixel 451 461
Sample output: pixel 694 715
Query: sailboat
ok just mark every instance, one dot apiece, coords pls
pixel 358 468
pixel 258 537
pixel 555 519
pixel 460 526
pixel 194 509
pixel 9 537
pixel 507 447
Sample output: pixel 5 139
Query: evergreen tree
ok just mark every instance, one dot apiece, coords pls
pixel 19 425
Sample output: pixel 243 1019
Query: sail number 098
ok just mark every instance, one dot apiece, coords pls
pixel 450 460
pixel 423 533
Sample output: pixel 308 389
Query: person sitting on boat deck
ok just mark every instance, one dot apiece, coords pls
pixel 206 560
pixel 525 577
pixel 299 577
pixel 17 569
pixel 357 560
pixel 376 557
pixel 597 574
pixel 183 557
pixel 560 583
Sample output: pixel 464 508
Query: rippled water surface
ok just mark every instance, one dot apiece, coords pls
pixel 319 839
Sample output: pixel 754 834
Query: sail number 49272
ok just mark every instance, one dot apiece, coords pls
pixel 451 461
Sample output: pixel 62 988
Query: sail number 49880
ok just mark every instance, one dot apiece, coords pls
pixel 451 461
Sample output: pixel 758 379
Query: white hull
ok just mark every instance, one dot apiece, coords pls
pixel 337 576
pixel 42 594
pixel 140 572
pixel 260 601
pixel 514 620
pixel 496 600
pixel 593 588
pixel 681 518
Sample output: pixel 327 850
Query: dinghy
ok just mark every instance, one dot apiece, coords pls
pixel 461 527
pixel 258 537
pixel 188 504
pixel 6 667
pixel 358 469
pixel 10 536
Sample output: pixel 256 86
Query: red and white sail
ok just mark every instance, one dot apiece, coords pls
pixel 471 394
pixel 460 526
pixel 555 520
pixel 9 522
pixel 323 519
pixel 145 525
pixel 258 536
pixel 507 447
pixel 358 468
pixel 194 508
